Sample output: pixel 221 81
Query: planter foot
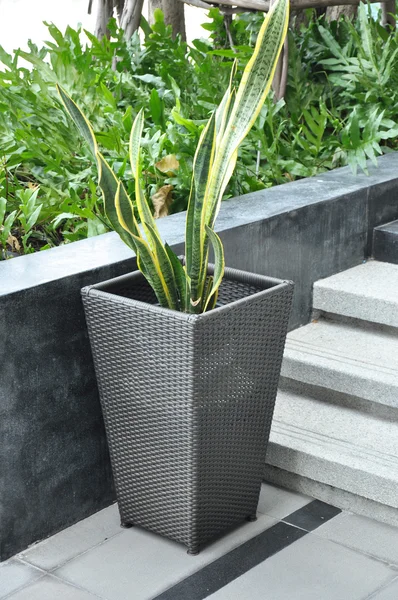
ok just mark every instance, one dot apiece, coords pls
pixel 251 518
pixel 126 525
pixel 192 551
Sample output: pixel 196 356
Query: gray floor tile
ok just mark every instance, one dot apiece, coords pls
pixel 278 502
pixel 363 534
pixel 70 542
pixel 50 588
pixel 310 569
pixel 138 565
pixel 14 574
pixel 390 592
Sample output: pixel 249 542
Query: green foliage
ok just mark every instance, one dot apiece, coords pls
pixel 188 287
pixel 341 107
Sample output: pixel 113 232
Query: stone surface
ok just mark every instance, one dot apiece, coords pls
pixel 367 292
pixel 346 358
pixel 48 389
pixel 14 574
pixel 338 445
pixel 332 495
pixel 388 592
pixel 309 569
pixel 100 252
pixel 385 242
pixel 51 588
pixel 365 535
pixel 138 565
pixel 265 559
pixel 63 546
pixel 279 502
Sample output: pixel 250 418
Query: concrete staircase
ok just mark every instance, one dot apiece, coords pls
pixel 335 429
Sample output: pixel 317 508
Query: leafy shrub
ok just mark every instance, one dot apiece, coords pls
pixel 341 107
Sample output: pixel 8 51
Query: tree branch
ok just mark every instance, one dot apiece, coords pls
pixel 387 14
pixel 131 16
pixel 105 11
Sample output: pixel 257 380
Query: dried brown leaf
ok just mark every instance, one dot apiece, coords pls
pixel 168 164
pixel 13 243
pixel 161 201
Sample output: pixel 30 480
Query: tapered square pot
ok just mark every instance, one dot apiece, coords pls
pixel 188 400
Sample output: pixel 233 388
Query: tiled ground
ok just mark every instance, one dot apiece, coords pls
pixel 298 549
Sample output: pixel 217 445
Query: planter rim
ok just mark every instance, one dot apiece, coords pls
pixel 273 285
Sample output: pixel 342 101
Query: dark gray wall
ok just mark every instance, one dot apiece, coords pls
pixel 385 242
pixel 54 466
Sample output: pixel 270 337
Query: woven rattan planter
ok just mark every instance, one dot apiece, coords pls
pixel 188 400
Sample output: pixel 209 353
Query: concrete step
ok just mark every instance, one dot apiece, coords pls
pixel 361 361
pixel 385 242
pixel 368 292
pixel 338 451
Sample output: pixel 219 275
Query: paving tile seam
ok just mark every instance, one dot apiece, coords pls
pixel 297 346
pixel 294 525
pixel 76 585
pixel 200 567
pixel 26 563
pixel 276 521
pixel 262 512
pixel 52 571
pixel 384 561
pixel 381 588
pixel 205 593
pixel 216 574
pixel 292 431
pixel 23 587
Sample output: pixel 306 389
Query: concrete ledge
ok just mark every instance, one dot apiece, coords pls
pixel 368 292
pixel 54 466
pixel 358 361
pixel 385 243
pixel 353 450
pixel 332 495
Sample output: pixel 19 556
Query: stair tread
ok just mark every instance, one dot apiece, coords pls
pixel 336 444
pixel 345 358
pixel 368 292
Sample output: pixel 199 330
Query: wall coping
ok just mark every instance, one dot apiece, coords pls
pixel 40 268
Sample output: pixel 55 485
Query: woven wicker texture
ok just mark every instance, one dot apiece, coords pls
pixel 188 400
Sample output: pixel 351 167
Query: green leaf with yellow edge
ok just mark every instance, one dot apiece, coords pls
pixel 219 267
pixel 150 268
pixel 253 89
pixel 180 277
pixel 79 119
pixel 125 211
pixel 164 268
pixel 223 109
pixel 195 225
pixel 135 141
pixel 109 183
pixel 144 210
pixel 213 300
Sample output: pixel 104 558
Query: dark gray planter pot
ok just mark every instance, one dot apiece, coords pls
pixel 188 400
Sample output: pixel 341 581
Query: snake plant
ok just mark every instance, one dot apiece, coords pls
pixel 189 287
